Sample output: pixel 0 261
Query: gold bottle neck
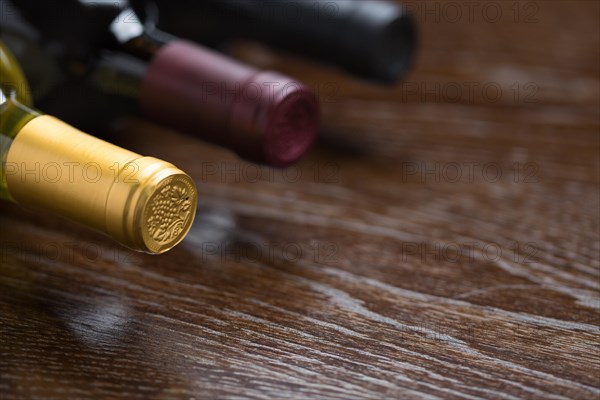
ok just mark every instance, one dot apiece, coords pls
pixel 143 202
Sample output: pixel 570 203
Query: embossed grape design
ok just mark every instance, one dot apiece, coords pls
pixel 169 212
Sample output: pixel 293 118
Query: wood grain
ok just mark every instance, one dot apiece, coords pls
pixel 433 245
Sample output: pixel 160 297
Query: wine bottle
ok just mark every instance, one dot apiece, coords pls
pixel 145 203
pixel 373 39
pixel 263 116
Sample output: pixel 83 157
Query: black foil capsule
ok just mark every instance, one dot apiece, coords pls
pixel 370 38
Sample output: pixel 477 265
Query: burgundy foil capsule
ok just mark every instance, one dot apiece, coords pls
pixel 263 116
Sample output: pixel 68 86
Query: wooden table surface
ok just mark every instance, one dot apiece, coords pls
pixel 441 241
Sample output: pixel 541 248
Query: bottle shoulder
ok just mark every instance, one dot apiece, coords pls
pixel 14 115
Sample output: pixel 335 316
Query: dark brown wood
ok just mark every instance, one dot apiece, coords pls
pixel 371 270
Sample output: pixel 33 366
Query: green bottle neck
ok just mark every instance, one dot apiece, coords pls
pixel 13 117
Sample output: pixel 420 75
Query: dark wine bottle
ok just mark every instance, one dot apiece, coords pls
pixel 371 38
pixel 263 116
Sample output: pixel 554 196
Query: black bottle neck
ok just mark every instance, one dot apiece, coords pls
pixel 145 45
pixel 79 31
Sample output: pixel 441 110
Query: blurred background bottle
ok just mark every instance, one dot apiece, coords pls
pixel 263 116
pixel 370 38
